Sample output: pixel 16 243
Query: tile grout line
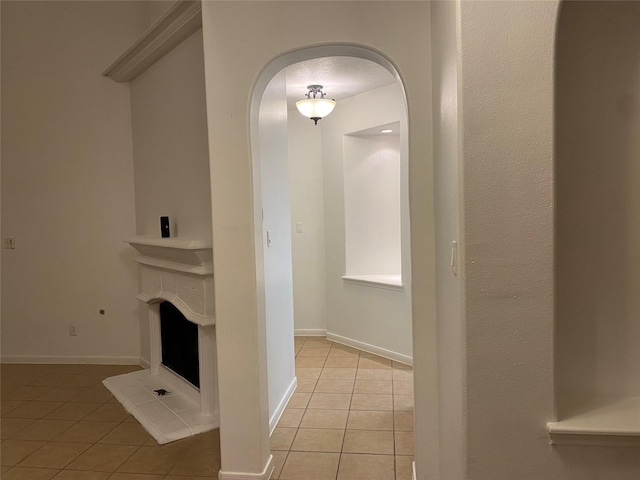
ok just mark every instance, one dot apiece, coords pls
pixel 75 421
pixel 348 415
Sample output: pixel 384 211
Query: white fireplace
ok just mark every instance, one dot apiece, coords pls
pixel 178 271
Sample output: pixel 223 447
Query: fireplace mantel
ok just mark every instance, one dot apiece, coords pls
pixel 178 270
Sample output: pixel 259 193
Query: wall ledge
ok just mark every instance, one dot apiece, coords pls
pixel 389 281
pixel 175 25
pixel 598 421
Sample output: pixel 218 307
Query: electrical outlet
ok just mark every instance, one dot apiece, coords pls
pixel 73 332
pixel 10 242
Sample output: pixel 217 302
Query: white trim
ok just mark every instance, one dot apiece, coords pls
pixel 275 418
pixel 592 440
pixel 179 272
pixel 144 363
pixel 198 270
pixel 264 475
pixel 208 370
pixel 389 282
pixel 175 25
pixel 45 359
pixel 398 357
pixel 155 338
pixel 415 477
pixel 180 243
pixel 598 421
pixel 309 332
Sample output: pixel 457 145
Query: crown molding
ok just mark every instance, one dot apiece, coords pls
pixel 175 25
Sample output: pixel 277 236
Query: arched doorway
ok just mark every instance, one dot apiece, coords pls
pixel 235 55
pixel 367 304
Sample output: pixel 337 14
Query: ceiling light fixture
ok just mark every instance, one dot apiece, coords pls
pixel 315 106
pixel 386 130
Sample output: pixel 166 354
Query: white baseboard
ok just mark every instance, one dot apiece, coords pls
pixel 398 357
pixel 264 475
pixel 309 332
pixel 273 421
pixel 144 363
pixel 70 360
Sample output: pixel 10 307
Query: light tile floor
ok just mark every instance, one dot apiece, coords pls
pixel 59 422
pixel 350 418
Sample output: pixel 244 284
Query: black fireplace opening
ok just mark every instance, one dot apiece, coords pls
pixel 179 338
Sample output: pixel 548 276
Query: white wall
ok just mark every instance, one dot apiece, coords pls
pixel 372 196
pixel 507 58
pixel 446 145
pixel 170 149
pixel 598 199
pixel 507 126
pixel 67 183
pixel 276 245
pixel 307 206
pixel 233 62
pixel 372 316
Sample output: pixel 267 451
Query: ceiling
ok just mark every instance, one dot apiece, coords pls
pixel 341 77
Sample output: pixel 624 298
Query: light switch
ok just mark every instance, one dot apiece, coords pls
pixel 10 242
pixel 299 227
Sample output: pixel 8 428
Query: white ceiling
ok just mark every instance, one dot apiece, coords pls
pixel 341 77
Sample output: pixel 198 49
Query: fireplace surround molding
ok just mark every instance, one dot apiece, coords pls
pixel 179 271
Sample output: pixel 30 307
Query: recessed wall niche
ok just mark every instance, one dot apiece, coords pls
pixel 372 202
pixel 598 224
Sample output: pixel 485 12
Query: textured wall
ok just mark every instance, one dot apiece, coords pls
pixel 170 149
pixel 373 316
pixel 446 172
pixel 235 54
pixel 508 53
pixel 307 206
pixel 276 248
pixel 598 199
pixel 67 181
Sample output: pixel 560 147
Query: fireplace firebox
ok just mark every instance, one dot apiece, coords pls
pixel 179 339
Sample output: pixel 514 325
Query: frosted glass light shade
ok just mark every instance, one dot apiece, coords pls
pixel 315 107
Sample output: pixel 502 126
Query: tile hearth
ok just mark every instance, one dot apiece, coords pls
pixel 166 417
pixel 178 271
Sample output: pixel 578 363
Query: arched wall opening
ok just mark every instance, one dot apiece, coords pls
pixel 346 151
pixel 597 364
pixel 234 59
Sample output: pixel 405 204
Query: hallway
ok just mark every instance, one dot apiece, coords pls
pixel 351 417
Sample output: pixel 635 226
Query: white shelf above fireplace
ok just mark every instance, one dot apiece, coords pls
pixel 178 270
pixel 187 255
pixel 182 243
